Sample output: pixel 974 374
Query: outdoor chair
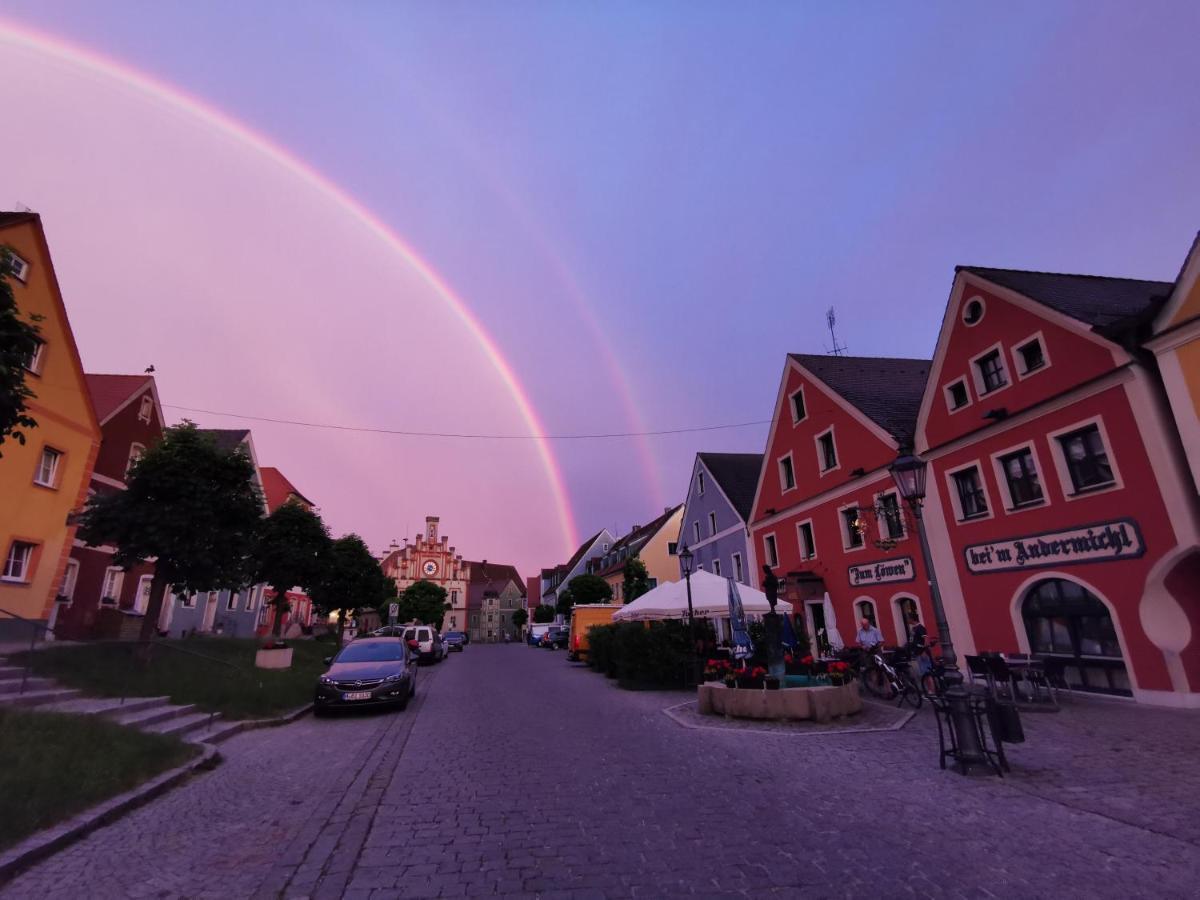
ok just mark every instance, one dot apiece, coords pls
pixel 1002 676
pixel 978 668
pixel 1055 673
pixel 949 739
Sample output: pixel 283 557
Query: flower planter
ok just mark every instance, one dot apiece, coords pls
pixel 771 684
pixel 819 703
pixel 276 658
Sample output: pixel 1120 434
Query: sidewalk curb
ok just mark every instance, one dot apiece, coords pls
pixel 50 840
pixel 253 724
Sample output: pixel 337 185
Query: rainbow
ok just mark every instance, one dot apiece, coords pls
pixel 160 92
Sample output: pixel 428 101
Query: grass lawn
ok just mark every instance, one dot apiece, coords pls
pixel 105 669
pixel 53 766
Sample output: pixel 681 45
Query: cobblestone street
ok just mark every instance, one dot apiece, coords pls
pixel 516 773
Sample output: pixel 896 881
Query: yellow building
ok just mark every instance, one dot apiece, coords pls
pixel 45 479
pixel 653 544
pixel 1176 343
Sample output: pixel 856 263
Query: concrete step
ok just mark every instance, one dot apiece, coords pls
pixel 221 731
pixel 39 698
pixel 100 706
pixel 10 671
pixel 180 725
pixel 11 684
pixel 152 715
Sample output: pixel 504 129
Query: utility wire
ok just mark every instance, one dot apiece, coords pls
pixel 478 437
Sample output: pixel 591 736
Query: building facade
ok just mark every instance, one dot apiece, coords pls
pixel 826 516
pixel 44 481
pixel 718 505
pixel 653 543
pixel 1062 514
pixel 431 558
pixel 494 592
pixel 553 579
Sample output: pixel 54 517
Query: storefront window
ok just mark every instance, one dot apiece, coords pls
pixel 1065 621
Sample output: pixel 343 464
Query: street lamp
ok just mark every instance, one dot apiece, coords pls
pixel 909 471
pixel 685 563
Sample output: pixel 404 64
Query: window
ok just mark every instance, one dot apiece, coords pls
pixel 826 451
pixel 808 546
pixel 769 546
pixel 454 598
pixel 141 600
pixel 991 372
pixel 799 413
pixel 973 311
pixel 906 607
pixel 853 535
pixel 712 523
pixel 145 409
pixel 1086 458
pixel 33 362
pixel 252 598
pixel 866 610
pixel 17 267
pixel 696 531
pixel 47 470
pixel 18 562
pixel 189 601
pixel 672 548
pixel 971 500
pixel 737 566
pixel 110 590
pixel 891 521
pixel 1030 356
pixel 66 591
pixel 135 453
pixel 956 394
pixel 787 474
pixel 716 567
pixel 231 602
pixel 1021 475
pixel 700 483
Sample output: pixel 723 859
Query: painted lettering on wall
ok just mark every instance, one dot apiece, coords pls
pixel 1103 542
pixel 884 571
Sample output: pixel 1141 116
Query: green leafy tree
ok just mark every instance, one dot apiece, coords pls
pixel 424 602
pixel 637 579
pixel 188 505
pixel 581 590
pixel 519 618
pixel 350 579
pixel 291 551
pixel 18 341
pixel 543 614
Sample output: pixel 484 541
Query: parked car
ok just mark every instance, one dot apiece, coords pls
pixel 371 671
pixel 555 638
pixel 584 617
pixel 534 638
pixel 428 640
pixel 454 640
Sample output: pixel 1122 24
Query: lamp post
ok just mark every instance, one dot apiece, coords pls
pixel 909 471
pixel 685 563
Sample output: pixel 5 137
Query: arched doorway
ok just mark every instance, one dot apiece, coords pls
pixel 1067 622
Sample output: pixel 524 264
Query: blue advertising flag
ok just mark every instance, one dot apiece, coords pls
pixel 789 633
pixel 743 648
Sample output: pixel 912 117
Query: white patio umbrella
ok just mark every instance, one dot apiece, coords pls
pixel 831 632
pixel 710 600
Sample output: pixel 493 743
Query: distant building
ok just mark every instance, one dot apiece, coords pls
pixel 554 578
pixel 654 544
pixel 715 513
pixel 431 558
pixel 494 592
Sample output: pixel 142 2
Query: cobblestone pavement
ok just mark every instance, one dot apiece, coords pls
pixel 516 773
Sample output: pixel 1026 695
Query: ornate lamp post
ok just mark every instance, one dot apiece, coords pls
pixel 685 563
pixel 909 471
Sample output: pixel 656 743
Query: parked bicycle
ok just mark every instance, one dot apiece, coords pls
pixel 891 679
pixel 933 681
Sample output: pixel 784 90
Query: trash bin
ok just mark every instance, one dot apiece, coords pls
pixel 1005 721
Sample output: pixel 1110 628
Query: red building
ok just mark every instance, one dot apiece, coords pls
pixel 1059 506
pixel 826 515
pixel 277 490
pixel 97 598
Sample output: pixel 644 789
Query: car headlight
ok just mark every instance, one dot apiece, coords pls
pixel 325 679
pixel 393 677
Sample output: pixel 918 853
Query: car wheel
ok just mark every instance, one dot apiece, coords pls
pixel 402 704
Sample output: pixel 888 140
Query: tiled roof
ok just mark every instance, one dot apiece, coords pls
pixel 637 536
pixel 108 392
pixel 887 391
pixel 737 474
pixel 1095 300
pixel 494 573
pixel 578 555
pixel 227 438
pixel 277 488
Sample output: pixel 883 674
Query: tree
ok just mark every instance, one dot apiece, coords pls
pixel 350 579
pixel 637 579
pixel 519 618
pixel 424 602
pixel 583 589
pixel 18 342
pixel 291 551
pixel 543 614
pixel 188 505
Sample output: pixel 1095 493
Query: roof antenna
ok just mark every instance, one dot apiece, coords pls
pixel 831 320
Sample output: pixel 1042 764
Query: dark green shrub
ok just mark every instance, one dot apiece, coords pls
pixel 601 641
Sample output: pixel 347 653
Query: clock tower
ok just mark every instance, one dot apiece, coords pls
pixel 431 558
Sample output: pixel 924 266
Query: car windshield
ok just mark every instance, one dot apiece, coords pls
pixel 381 651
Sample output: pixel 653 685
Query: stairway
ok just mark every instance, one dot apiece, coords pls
pixel 151 714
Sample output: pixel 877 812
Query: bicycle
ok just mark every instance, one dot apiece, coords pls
pixel 891 680
pixel 933 682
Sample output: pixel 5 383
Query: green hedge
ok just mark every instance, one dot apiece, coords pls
pixel 638 655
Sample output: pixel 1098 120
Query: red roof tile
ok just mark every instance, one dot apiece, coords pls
pixel 110 391
pixel 278 488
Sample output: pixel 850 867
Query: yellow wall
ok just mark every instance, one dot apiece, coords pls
pixel 659 563
pixel 1189 362
pixel 62 408
pixel 1190 308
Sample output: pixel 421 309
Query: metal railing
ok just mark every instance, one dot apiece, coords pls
pixel 34 625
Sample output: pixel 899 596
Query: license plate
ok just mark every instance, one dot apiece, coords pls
pixel 357 695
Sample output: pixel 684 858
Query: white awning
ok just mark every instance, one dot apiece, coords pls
pixel 710 600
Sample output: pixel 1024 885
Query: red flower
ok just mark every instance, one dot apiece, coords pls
pixel 807 661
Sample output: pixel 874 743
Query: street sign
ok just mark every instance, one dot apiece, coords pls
pixel 393 613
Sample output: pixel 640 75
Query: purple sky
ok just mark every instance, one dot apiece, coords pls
pixel 671 192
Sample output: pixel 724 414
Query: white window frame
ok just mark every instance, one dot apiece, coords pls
pixel 844 528
pixel 52 483
pixel 837 456
pixel 231 602
pixel 712 524
pixel 12 575
pixel 977 373
pixel 18 267
pixel 956 503
pixel 1063 470
pixel 796 420
pixel 146 409
pixel 982 310
pixel 143 587
pixel 1002 478
pixel 696 531
pixel 1019 362
pixel 950 407
pixel 118 582
pixel 783 485
pixel 804 554
pixel 135 453
pixel 858 601
pixel 70 579
pixel 252 597
pixel 881 523
pixel 770 549
pixel 36 361
pixel 699 484
pixel 716 567
pixel 739 573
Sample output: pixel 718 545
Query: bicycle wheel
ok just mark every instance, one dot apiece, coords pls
pixel 877 683
pixel 909 691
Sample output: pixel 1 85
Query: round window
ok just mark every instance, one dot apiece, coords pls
pixel 973 311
